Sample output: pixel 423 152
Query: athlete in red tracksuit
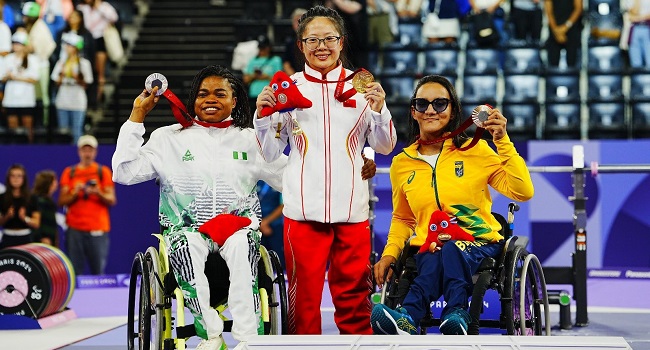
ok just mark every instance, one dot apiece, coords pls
pixel 325 198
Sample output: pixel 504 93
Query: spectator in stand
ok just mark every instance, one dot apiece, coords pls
pixel 442 23
pixel 260 70
pixel 498 15
pixel 19 214
pixel 72 74
pixel 408 9
pixel 52 12
pixel 357 29
pixel 75 24
pixel 20 74
pixel 565 30
pixel 382 22
pixel 639 44
pixel 8 14
pixel 5 37
pixel 87 190
pixel 45 185
pixel 292 60
pixel 526 17
pixel 5 49
pixel 98 15
pixel 41 44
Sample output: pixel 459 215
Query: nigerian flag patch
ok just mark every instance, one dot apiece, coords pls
pixel 239 155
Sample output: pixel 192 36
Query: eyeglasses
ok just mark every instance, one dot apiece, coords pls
pixel 313 43
pixel 422 104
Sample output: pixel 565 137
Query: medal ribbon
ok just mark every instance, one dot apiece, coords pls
pixel 465 125
pixel 183 117
pixel 338 92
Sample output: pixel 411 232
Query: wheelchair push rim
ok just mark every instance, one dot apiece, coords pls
pixel 138 291
pixel 277 302
pixel 522 296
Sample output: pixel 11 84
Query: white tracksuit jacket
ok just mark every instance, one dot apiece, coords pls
pixel 203 171
pixel 322 180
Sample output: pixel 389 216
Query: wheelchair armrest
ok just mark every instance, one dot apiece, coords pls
pixel 487 264
pixel 515 241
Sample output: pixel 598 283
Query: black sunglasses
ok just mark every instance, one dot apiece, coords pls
pixel 422 104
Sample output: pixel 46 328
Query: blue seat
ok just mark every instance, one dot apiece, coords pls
pixel 605 7
pixel 521 88
pixel 522 60
pixel 605 59
pixel 440 60
pixel 641 119
pixel 602 27
pixel 410 32
pixel 397 59
pixel 605 87
pixel 480 89
pixel 481 61
pixel 562 121
pixel 398 87
pixel 522 120
pixel 401 112
pixel 640 86
pixel 562 88
pixel 607 120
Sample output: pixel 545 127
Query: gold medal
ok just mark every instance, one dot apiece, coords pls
pixel 361 79
pixel 480 114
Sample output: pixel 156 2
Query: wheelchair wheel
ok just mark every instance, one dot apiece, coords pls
pixel 139 291
pixel 276 290
pixel 156 298
pixel 514 303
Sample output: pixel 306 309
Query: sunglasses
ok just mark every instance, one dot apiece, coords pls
pixel 422 104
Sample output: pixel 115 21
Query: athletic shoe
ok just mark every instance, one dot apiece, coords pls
pixel 384 320
pixel 212 344
pixel 455 322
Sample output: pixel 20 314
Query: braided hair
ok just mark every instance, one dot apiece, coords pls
pixel 241 114
pixel 455 118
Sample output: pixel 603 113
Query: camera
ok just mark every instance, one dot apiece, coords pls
pixel 91 183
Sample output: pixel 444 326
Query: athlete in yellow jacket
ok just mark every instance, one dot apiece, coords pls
pixel 431 175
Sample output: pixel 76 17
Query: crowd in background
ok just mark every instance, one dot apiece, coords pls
pixel 53 65
pixel 85 194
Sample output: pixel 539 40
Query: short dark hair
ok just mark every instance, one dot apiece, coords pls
pixel 456 110
pixel 241 114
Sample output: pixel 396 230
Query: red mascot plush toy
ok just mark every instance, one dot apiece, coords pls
pixel 222 226
pixel 287 95
pixel 442 228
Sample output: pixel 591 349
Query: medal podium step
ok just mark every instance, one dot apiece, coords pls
pixel 433 342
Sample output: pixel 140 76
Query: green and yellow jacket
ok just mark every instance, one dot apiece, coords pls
pixel 457 185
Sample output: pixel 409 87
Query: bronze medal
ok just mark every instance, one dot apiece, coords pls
pixel 480 114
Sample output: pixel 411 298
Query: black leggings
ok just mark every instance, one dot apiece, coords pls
pixel 572 47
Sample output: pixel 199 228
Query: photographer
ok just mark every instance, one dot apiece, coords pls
pixel 87 190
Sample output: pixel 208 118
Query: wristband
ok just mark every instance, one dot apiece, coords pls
pixel 568 24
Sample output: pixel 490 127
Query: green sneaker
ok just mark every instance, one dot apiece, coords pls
pixel 455 322
pixel 384 320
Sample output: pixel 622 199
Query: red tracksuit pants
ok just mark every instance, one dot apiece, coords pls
pixel 308 247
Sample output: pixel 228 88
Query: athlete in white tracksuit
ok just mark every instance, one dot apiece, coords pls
pixel 325 200
pixel 204 170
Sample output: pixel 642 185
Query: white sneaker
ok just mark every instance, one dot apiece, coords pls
pixel 212 344
pixel 241 346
